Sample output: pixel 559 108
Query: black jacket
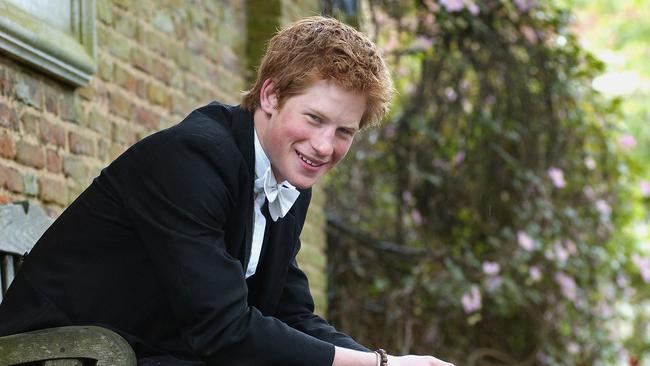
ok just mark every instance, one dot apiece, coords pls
pixel 156 249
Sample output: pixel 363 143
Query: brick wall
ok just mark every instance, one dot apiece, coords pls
pixel 157 60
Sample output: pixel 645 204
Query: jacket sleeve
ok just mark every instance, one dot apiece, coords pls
pixel 296 308
pixel 179 189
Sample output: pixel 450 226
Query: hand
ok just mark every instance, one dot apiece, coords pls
pixel 411 360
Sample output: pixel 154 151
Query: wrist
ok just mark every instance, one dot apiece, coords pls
pixel 382 357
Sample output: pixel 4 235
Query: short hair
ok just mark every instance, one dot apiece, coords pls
pixel 317 48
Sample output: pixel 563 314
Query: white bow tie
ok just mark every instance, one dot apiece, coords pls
pixel 280 196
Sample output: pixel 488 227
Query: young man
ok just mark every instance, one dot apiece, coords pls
pixel 186 244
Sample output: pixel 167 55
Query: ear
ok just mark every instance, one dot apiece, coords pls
pixel 268 97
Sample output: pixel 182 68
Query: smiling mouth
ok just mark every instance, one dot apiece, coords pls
pixel 309 162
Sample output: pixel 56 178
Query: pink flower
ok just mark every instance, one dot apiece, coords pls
pixel 627 142
pixel 567 286
pixel 535 273
pixel 643 264
pixel 524 5
pixel 431 5
pixel 459 158
pixel 570 247
pixel 573 348
pixel 645 188
pixel 604 208
pixel 525 241
pixel 423 43
pixel 491 268
pixel 529 34
pixel 621 281
pixel 473 9
pixel 557 177
pixel 450 93
pixel 417 217
pixel 589 193
pixel 471 300
pixel 590 163
pixel 452 5
pixel 560 253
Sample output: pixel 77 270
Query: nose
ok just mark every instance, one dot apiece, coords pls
pixel 323 142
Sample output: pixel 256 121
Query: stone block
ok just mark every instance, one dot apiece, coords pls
pixel 52 161
pixel 81 145
pixel 141 60
pixel 30 155
pixel 147 118
pixel 104 12
pixel 52 101
pixel 7 147
pixel 124 134
pixel 157 94
pixel 30 92
pixel 126 26
pixel 11 179
pixel 75 167
pixel 163 22
pixel 30 184
pixel 105 69
pixel 8 116
pixel 70 108
pixel 124 78
pixel 52 190
pixel 51 133
pixel 120 105
pixel 31 121
pixel 97 122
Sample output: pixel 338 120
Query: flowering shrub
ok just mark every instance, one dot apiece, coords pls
pixel 498 187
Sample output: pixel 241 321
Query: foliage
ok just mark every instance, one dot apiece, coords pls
pixel 499 183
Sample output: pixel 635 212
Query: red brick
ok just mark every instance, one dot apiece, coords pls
pixel 147 118
pixel 7 147
pixel 51 190
pixel 6 82
pixel 30 155
pixel 125 78
pixel 81 144
pixel 161 71
pixel 11 179
pixel 51 133
pixel 53 161
pixel 4 199
pixel 8 117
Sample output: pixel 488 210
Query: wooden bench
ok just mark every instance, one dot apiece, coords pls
pixel 20 227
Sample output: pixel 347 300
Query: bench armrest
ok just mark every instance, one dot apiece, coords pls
pixel 83 342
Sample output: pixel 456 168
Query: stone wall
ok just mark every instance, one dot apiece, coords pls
pixel 157 60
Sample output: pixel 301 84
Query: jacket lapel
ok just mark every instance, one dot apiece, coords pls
pixel 242 130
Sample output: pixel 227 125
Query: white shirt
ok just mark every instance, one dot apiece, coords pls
pixel 262 163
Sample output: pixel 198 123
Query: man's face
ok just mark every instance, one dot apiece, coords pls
pixel 312 131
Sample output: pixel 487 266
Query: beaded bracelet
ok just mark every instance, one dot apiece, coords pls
pixel 382 357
